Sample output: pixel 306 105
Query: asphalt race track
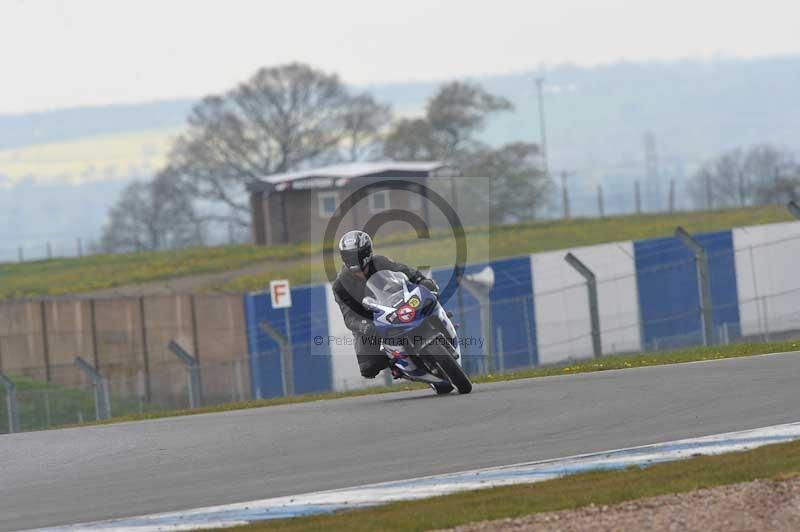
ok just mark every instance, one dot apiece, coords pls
pixel 86 474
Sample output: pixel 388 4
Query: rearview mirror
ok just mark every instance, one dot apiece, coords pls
pixel 369 302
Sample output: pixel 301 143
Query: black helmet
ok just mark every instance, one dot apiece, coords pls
pixel 356 250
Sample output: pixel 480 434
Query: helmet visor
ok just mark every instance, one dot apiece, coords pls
pixel 354 259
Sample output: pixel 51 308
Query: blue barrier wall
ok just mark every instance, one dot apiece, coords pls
pixel 307 318
pixel 466 313
pixel 669 299
pixel 512 313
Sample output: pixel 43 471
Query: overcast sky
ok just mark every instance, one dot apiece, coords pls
pixel 87 52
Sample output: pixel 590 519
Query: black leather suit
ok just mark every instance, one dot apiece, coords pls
pixel 348 289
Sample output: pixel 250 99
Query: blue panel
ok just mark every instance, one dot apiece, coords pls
pixel 265 361
pixel 512 314
pixel 669 299
pixel 307 318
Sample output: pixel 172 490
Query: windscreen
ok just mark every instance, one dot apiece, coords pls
pixel 387 287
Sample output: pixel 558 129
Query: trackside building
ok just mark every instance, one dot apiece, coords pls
pixel 297 206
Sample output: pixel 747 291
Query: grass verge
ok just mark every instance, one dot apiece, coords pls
pixel 777 461
pixel 584 366
pixel 69 276
pixel 498 242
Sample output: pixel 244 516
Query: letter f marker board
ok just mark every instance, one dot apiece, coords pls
pixel 280 293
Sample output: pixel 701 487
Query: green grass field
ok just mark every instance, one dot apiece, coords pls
pixel 512 240
pixel 301 262
pixel 97 154
pixel 777 462
pixel 68 276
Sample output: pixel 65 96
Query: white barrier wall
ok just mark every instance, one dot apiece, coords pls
pixel 563 327
pixel 768 277
pixel 344 367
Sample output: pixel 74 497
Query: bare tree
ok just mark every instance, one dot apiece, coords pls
pixel 150 216
pixel 364 123
pixel 459 110
pixel 760 175
pixel 518 188
pixel 722 182
pixel 453 117
pixel 412 139
pixel 281 119
pixel 775 174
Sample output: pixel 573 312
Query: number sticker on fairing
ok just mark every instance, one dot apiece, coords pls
pixel 406 314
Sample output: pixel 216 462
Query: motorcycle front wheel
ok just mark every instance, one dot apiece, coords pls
pixel 448 365
pixel 442 389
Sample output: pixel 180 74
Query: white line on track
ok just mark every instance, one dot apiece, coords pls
pixel 401 490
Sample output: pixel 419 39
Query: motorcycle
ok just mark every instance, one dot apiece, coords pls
pixel 416 332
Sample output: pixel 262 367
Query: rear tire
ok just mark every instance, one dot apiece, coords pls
pixel 448 365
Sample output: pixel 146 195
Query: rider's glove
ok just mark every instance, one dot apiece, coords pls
pixel 367 328
pixel 430 284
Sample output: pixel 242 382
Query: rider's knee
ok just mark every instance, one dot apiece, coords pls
pixel 369 371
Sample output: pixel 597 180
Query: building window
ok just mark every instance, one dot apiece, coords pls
pixel 379 201
pixel 328 203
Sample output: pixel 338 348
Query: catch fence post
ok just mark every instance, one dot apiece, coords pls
pixel 601 211
pixel 594 309
pixel 501 363
pixel 192 373
pixel 703 283
pixel 637 197
pixel 102 400
pixel 528 336
pixel 672 196
pixel 794 208
pixel 237 379
pixel 480 286
pixel 11 403
pixel 287 364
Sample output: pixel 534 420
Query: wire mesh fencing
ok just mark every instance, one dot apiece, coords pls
pixel 70 398
pixel 127 341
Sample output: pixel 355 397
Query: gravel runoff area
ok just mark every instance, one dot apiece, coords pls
pixel 761 505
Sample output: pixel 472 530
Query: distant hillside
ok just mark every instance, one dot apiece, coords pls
pixel 596 121
pixel 69 124
pixel 33 214
pixel 596 116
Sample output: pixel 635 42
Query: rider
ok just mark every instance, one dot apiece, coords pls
pixel 355 248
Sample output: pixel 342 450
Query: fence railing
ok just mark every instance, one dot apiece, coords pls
pixel 73 398
pixel 127 342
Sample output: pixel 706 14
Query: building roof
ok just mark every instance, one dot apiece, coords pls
pixel 348 171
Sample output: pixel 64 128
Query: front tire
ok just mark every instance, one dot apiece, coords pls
pixel 448 365
pixel 442 389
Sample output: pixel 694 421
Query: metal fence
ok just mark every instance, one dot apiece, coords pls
pixel 521 333
pixel 80 399
pixel 41 405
